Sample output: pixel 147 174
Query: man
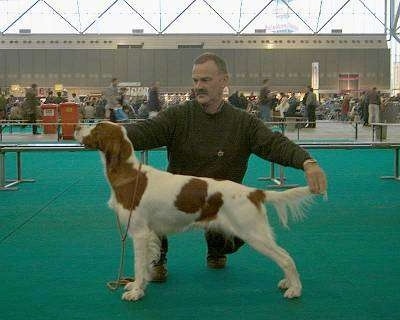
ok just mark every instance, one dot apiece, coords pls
pixel 234 99
pixel 154 104
pixel 293 104
pixel 31 106
pixel 373 106
pixel 59 98
pixel 211 138
pixel 75 99
pixel 3 103
pixel 112 96
pixel 266 101
pixel 311 105
pixel 50 98
pixel 364 108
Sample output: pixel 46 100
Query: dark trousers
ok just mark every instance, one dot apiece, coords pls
pixel 218 244
pixel 365 113
pixel 32 119
pixel 311 116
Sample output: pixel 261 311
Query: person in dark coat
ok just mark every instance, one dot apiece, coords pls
pixel 31 106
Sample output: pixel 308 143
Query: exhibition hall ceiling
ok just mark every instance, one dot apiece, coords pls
pixel 196 16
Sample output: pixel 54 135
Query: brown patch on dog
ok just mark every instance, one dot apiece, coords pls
pixel 257 197
pixel 129 185
pixel 211 207
pixel 127 182
pixel 193 198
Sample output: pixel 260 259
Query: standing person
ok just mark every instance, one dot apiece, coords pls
pixel 364 108
pixel 265 100
pixel 50 98
pixel 59 98
pixel 234 99
pixel 243 101
pixel 75 99
pixel 293 104
pixel 100 107
pixel 373 106
pixel 345 108
pixel 209 137
pixel 31 104
pixel 154 104
pixel 311 105
pixel 283 104
pixel 3 103
pixel 112 97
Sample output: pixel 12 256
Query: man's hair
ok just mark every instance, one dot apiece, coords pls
pixel 209 56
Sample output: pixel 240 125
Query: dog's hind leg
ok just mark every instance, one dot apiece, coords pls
pixel 261 238
pixel 135 290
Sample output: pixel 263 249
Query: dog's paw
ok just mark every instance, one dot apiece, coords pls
pixel 133 294
pixel 292 292
pixel 129 286
pixel 283 284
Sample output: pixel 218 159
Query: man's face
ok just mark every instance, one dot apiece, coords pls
pixel 208 82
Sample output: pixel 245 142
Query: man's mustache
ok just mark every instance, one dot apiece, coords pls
pixel 200 91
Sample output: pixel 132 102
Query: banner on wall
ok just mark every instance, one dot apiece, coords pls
pixel 315 77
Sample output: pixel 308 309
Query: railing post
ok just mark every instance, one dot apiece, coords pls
pixel 2 170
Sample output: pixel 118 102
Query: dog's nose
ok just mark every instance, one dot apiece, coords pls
pixel 78 127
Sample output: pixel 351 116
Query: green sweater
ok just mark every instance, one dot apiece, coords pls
pixel 213 145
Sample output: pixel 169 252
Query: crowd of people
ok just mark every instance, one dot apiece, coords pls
pixel 114 103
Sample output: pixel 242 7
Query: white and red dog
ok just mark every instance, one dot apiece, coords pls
pixel 160 203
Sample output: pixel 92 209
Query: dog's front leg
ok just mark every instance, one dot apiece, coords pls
pixel 135 290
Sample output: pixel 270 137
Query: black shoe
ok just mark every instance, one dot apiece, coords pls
pixel 159 271
pixel 216 262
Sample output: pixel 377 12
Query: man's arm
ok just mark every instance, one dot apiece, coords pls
pixel 277 148
pixel 152 133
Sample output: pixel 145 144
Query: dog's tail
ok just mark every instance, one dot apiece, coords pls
pixel 294 200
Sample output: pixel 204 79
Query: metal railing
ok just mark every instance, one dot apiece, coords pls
pixel 279 182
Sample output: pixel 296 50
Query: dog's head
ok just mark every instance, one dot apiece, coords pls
pixel 108 137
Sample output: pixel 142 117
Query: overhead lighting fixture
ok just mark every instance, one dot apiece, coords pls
pixel 186 46
pixel 137 31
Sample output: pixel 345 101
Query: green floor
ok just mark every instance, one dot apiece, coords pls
pixel 59 245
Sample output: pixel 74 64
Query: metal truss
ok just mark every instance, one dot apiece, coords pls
pixel 389 24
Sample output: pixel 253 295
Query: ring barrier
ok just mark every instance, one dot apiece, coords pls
pixel 23 123
pixel 379 130
pixel 287 124
pixel 279 182
pixel 9 184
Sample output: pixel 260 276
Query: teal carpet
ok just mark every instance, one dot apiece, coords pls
pixel 59 245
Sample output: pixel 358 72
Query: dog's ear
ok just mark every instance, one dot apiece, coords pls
pixel 114 146
pixel 91 141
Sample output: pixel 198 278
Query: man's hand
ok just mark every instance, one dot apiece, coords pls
pixel 315 176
